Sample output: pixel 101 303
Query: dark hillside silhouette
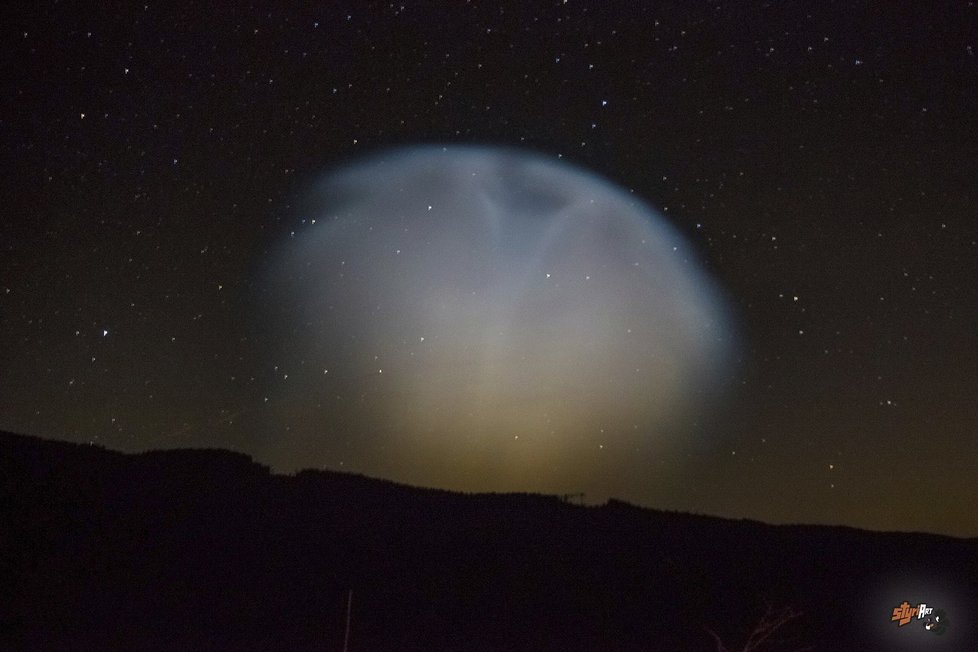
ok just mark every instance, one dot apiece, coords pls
pixel 207 550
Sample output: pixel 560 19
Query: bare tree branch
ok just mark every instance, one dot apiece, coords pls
pixel 720 645
pixel 769 623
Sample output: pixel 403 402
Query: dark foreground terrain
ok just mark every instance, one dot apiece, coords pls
pixel 206 550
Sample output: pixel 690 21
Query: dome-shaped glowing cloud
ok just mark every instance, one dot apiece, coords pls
pixel 482 318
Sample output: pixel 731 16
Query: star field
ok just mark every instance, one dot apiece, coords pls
pixel 819 161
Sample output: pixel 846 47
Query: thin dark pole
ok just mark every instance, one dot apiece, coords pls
pixel 349 605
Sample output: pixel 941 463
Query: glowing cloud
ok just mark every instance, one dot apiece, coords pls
pixel 482 318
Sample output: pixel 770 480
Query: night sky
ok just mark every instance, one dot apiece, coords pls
pixel 183 266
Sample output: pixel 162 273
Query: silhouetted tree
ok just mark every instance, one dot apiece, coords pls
pixel 759 637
